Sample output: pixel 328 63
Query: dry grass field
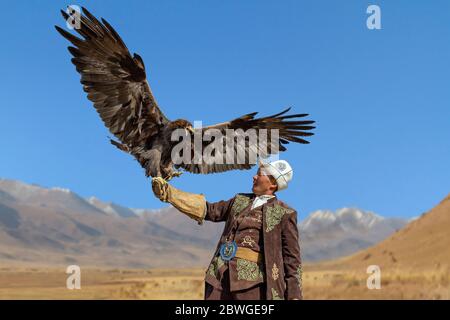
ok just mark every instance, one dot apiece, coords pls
pixel 333 284
pixel 414 264
pixel 158 284
pixel 50 283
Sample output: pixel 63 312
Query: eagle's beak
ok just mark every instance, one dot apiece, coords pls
pixel 190 129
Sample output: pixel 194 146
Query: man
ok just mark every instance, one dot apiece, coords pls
pixel 258 254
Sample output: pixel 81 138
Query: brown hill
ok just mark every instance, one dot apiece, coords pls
pixel 423 244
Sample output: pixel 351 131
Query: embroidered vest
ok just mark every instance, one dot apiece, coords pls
pixel 246 228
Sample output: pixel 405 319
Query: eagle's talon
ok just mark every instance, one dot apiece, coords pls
pixel 171 175
pixel 161 180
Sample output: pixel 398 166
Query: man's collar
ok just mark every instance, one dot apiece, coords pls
pixel 271 198
pixel 266 196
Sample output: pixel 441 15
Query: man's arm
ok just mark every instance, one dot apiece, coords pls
pixel 218 211
pixel 291 257
pixel 193 205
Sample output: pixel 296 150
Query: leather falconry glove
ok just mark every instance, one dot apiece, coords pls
pixel 191 204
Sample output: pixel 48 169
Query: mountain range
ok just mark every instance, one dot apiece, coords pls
pixel 55 226
pixel 327 235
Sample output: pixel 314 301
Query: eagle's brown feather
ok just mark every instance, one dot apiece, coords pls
pixel 116 83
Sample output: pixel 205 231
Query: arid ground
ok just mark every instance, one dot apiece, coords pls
pixel 50 283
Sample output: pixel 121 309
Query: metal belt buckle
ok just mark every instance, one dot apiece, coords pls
pixel 228 250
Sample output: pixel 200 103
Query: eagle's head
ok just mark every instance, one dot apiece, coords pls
pixel 182 124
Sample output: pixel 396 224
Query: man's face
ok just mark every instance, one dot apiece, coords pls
pixel 262 184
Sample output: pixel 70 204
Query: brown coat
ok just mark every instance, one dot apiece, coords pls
pixel 277 238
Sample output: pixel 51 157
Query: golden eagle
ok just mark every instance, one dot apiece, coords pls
pixel 115 81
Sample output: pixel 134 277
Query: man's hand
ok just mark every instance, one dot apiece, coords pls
pixel 160 188
pixel 191 204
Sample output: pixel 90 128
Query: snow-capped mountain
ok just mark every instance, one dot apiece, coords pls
pixel 58 198
pixel 326 234
pixel 111 208
pixel 54 226
pixel 57 225
pixel 347 219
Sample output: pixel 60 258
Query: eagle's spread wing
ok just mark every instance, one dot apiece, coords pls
pixel 115 81
pixel 290 129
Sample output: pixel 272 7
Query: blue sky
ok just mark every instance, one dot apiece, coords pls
pixel 381 98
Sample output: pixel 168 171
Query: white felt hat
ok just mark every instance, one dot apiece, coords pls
pixel 280 170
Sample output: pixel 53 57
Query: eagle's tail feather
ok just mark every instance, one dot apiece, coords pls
pixel 121 146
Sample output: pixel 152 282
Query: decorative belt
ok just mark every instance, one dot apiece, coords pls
pixel 249 254
pixel 229 250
